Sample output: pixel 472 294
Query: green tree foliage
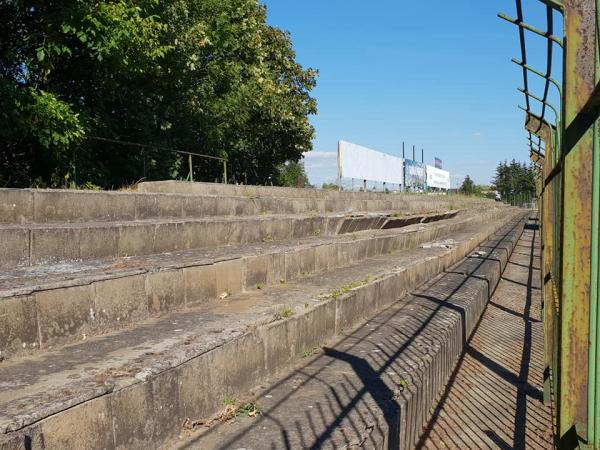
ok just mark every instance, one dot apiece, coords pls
pixel 207 76
pixel 514 178
pixel 330 187
pixel 292 174
pixel 467 187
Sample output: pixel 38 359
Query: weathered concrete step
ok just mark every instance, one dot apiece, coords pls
pixel 42 306
pixel 173 186
pixel 34 244
pixel 135 388
pixel 47 206
pixel 377 386
pixel 31 244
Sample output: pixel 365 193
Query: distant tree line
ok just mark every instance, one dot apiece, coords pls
pixel 205 76
pixel 515 179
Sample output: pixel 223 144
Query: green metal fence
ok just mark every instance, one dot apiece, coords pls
pixel 564 145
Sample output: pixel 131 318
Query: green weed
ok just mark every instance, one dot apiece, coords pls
pixel 228 400
pixel 336 293
pixel 251 409
pixel 308 352
pixel 286 312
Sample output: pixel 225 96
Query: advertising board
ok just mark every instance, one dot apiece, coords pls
pixel 438 178
pixel 363 163
pixel 414 174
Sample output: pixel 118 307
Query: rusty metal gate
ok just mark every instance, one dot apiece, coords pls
pixel 564 145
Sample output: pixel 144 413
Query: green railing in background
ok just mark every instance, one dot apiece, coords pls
pixel 565 148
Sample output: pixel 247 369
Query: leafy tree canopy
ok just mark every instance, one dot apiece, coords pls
pixel 293 174
pixel 206 76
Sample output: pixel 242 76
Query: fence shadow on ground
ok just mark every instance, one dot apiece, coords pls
pixel 350 411
pixel 484 400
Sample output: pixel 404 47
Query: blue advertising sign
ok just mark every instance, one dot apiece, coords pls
pixel 414 174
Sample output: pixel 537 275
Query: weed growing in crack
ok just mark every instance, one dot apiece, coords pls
pixel 343 290
pixel 308 352
pixel 251 409
pixel 228 400
pixel 286 312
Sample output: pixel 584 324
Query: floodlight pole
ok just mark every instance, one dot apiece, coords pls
pixel 339 158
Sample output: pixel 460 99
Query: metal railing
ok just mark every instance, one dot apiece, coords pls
pixel 190 155
pixel 565 148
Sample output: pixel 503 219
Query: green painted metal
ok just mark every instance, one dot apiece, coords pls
pixel 540 74
pixel 577 157
pixel 541 100
pixel 190 176
pixel 533 29
pixel 594 347
pixel 569 203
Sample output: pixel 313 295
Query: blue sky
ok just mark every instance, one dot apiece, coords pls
pixel 434 74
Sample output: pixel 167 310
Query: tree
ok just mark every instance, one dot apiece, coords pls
pixel 468 187
pixel 207 76
pixel 330 187
pixel 292 174
pixel 515 179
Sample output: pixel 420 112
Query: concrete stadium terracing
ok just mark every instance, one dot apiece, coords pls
pixel 127 316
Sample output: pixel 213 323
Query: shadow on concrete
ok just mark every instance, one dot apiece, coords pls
pixel 342 399
pixel 520 381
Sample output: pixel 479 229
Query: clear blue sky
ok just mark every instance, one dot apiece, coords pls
pixel 435 74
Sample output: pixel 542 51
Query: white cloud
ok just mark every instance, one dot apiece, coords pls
pixel 477 134
pixel 320 165
pixel 320 155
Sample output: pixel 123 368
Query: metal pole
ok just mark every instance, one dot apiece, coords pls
pixel 414 153
pixel 594 366
pixel 190 175
pixel 225 171
pixel 422 156
pixel 577 205
pixel 403 170
pixel 339 158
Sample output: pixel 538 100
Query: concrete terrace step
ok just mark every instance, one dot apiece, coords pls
pixel 41 306
pixel 377 386
pixel 45 243
pixel 136 387
pixel 47 206
pixel 173 186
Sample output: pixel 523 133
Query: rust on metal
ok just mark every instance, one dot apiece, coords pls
pixel 580 33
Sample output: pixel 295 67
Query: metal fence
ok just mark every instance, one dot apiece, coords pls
pixel 189 155
pixel 564 144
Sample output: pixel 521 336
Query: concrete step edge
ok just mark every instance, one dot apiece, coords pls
pixel 28 245
pixel 34 319
pixel 54 206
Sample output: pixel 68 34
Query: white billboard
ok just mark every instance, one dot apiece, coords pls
pixel 438 178
pixel 362 163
